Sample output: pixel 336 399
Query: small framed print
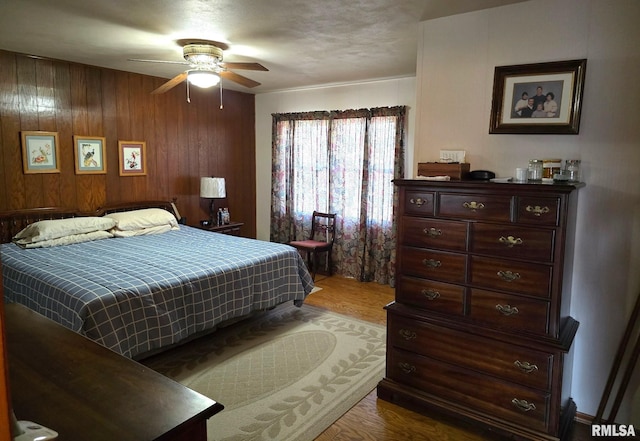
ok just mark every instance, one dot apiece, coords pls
pixel 133 157
pixel 40 152
pixel 538 98
pixel 89 154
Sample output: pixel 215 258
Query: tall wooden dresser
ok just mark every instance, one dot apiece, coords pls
pixel 480 327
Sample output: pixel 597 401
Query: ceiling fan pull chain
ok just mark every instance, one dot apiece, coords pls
pixel 188 97
pixel 220 93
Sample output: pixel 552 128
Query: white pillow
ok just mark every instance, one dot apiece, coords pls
pixel 143 231
pixel 66 240
pixel 145 218
pixel 53 229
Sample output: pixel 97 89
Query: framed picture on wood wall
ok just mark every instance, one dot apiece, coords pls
pixel 542 98
pixel 40 152
pixel 133 157
pixel 89 154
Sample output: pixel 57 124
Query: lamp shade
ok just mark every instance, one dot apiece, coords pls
pixel 212 188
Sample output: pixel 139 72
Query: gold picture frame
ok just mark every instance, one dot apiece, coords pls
pixel 40 152
pixel 541 98
pixel 133 158
pixel 89 154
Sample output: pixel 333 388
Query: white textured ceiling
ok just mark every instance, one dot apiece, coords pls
pixel 303 43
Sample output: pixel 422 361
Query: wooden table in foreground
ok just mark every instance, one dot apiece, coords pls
pixel 84 391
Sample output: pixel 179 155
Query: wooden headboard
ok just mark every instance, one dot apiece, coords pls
pixel 11 222
pixel 130 206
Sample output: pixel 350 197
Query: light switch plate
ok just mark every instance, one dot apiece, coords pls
pixel 452 155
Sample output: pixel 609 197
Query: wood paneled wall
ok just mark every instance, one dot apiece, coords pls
pixel 184 140
pixel 5 395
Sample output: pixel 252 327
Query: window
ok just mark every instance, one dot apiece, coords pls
pixel 340 162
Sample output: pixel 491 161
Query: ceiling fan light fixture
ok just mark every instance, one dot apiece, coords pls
pixel 204 80
pixel 203 60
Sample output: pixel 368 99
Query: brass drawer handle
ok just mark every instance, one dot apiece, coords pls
pixel 407 334
pixel 523 405
pixel 432 232
pixel 537 210
pixel 431 263
pixel 525 366
pixel 430 294
pixel 508 276
pixel 507 309
pixel 510 241
pixel 407 368
pixel 473 205
pixel 419 201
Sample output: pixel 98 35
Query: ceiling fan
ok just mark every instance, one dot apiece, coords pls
pixel 206 66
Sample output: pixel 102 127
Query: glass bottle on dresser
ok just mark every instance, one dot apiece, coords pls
pixel 535 169
pixel 572 169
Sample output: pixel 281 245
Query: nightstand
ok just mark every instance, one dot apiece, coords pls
pixel 232 228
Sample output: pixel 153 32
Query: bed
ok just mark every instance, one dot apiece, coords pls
pixel 141 294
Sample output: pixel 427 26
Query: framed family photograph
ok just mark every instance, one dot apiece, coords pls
pixel 89 154
pixel 542 98
pixel 40 152
pixel 133 157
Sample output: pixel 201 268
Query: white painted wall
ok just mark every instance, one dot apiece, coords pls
pixel 449 108
pixel 384 93
pixel 456 60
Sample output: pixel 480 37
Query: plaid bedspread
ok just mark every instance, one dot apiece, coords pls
pixel 137 294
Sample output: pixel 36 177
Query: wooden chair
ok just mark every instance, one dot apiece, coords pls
pixel 320 241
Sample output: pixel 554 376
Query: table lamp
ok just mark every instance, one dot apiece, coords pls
pixel 211 188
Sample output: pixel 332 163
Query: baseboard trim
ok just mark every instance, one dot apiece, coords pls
pixel 583 418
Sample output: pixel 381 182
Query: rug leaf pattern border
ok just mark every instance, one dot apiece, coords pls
pixel 294 416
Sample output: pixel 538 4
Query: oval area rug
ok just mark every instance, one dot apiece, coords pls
pixel 284 375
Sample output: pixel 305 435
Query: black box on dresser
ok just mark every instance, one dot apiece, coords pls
pixel 480 326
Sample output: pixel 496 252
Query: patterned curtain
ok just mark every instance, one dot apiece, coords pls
pixel 341 162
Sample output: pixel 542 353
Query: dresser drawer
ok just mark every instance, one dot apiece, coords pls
pixel 538 211
pixel 513 242
pixel 418 202
pixel 509 311
pixel 430 264
pixel 483 393
pixel 511 362
pixel 428 294
pixel 508 275
pixel 475 207
pixel 432 233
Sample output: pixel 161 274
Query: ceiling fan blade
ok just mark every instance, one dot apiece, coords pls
pixel 232 76
pixel 173 82
pixel 158 61
pixel 245 66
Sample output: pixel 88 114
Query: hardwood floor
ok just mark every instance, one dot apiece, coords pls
pixel 376 420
